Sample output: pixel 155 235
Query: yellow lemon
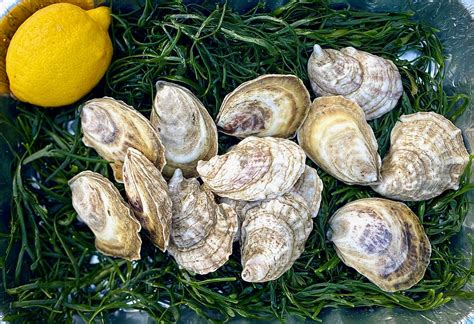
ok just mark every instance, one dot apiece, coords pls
pixel 59 54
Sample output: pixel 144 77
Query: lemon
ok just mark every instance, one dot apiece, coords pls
pixel 59 54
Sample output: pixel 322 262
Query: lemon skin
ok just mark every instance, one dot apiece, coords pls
pixel 59 54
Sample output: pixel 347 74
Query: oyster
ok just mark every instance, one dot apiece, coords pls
pixel 186 128
pixel 99 204
pixel 237 206
pixel 148 196
pixel 310 187
pixel 270 105
pixel 427 156
pixel 256 168
pixel 337 138
pixel 274 233
pixel 383 240
pixel 371 81
pixel 111 127
pixel 202 231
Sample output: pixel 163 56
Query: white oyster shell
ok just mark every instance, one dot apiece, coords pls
pixel 256 168
pixel 202 231
pixel 147 193
pixel 310 187
pixel 237 206
pixel 383 240
pixel 111 127
pixel 427 156
pixel 274 233
pixel 371 81
pixel 185 127
pixel 270 105
pixel 336 136
pixel 99 204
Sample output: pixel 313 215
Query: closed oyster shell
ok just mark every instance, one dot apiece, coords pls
pixel 310 187
pixel 274 233
pixel 99 204
pixel 336 136
pixel 371 81
pixel 270 105
pixel 110 127
pixel 202 231
pixel 186 128
pixel 237 206
pixel 255 169
pixel 383 240
pixel 147 193
pixel 427 156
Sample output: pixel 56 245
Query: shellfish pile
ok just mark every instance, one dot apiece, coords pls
pixel 260 193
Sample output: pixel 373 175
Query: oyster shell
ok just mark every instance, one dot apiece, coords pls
pixel 274 233
pixel 186 128
pixel 237 206
pixel 310 187
pixel 383 240
pixel 147 193
pixel 336 136
pixel 371 81
pixel 256 168
pixel 110 127
pixel 270 105
pixel 99 204
pixel 202 231
pixel 427 156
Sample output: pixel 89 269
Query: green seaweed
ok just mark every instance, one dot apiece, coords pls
pixel 48 273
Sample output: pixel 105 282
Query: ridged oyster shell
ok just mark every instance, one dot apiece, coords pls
pixel 99 204
pixel 371 81
pixel 186 128
pixel 110 127
pixel 256 168
pixel 427 156
pixel 202 231
pixel 310 187
pixel 274 233
pixel 383 240
pixel 237 206
pixel 270 105
pixel 147 194
pixel 336 136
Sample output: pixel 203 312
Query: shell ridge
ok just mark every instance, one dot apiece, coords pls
pixel 371 81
